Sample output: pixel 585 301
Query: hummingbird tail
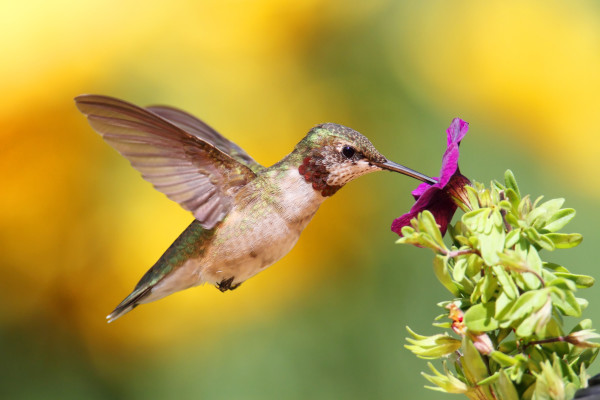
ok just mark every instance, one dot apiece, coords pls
pixel 130 302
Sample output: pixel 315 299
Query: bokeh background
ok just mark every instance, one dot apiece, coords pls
pixel 78 226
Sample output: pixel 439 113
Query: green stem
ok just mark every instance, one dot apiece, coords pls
pixel 457 253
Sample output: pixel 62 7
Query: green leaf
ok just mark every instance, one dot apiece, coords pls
pixel 480 318
pixel 536 321
pixel 512 238
pixel 548 276
pixel 488 289
pixel 562 283
pixel 508 285
pixel 542 241
pixel 517 373
pixel 512 220
pixel 553 329
pixel 586 358
pixel 472 197
pixel 476 293
pixel 473 365
pixel 549 383
pixel 567 304
pixel 532 234
pixel 503 306
pixel 484 222
pixel 430 226
pixel 564 240
pixel 489 380
pixel 535 203
pixel 508 346
pixel 555 267
pixel 511 182
pixel 406 231
pixel 496 218
pixel 474 265
pixel 460 267
pixel 559 219
pixel 535 356
pixel 440 268
pixel 524 206
pixel 426 240
pixel 485 198
pixel 534 263
pixel 527 303
pixel 491 244
pixel 581 281
pixel 513 197
pixel 538 217
pixel 429 347
pixel 505 388
pixel 583 324
pixel 465 286
pixel 526 265
pixel 583 303
pixel 472 218
pixel 545 243
pixel 503 359
pixel 512 260
pixel 445 382
pixel 505 205
pixel 502 334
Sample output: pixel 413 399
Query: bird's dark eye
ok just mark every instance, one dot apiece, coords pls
pixel 348 151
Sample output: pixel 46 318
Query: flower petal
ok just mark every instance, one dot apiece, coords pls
pixel 455 133
pixel 435 200
pixel 418 192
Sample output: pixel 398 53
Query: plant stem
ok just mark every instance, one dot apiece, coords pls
pixel 543 341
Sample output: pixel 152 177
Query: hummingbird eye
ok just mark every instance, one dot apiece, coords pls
pixel 348 151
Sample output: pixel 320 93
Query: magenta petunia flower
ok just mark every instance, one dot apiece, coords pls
pixel 441 198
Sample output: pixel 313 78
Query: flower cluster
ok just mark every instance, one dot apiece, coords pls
pixel 505 332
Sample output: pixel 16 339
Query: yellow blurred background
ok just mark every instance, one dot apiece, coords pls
pixel 78 226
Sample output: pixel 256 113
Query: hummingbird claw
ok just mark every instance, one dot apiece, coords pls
pixel 226 284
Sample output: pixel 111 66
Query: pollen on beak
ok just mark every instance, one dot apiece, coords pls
pixel 392 166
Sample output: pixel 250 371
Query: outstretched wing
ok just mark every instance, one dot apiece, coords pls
pixel 189 170
pixel 202 130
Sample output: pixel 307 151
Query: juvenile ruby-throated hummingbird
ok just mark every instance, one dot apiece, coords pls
pixel 246 216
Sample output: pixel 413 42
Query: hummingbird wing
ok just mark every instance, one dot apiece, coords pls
pixel 188 169
pixel 202 130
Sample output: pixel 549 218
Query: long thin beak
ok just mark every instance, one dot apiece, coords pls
pixel 392 166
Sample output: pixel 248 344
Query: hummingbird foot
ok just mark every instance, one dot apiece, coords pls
pixel 226 284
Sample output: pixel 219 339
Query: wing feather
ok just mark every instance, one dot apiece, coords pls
pixel 202 130
pixel 178 161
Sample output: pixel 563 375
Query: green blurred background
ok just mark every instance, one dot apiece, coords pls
pixel 78 226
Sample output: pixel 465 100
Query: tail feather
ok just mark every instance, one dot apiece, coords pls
pixel 128 304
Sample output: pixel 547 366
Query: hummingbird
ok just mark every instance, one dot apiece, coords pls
pixel 247 216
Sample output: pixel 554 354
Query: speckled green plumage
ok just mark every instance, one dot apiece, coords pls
pixel 322 134
pixel 190 244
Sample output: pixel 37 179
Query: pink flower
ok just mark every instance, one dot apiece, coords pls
pixel 441 199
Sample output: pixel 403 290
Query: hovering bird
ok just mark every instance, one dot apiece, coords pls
pixel 246 216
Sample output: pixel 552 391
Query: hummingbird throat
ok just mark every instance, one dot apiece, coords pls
pixel 315 172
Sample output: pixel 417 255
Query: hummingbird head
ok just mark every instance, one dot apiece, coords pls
pixel 334 155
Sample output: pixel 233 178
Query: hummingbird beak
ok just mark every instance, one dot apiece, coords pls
pixel 392 166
